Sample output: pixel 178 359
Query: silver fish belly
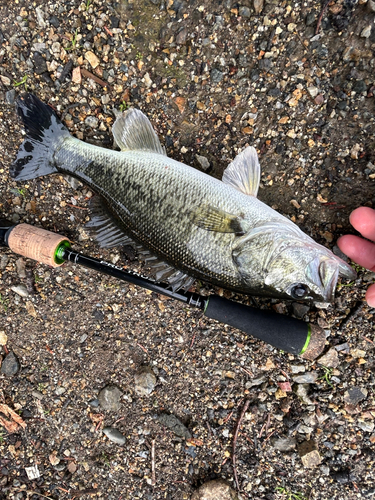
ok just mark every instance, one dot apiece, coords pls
pixel 213 230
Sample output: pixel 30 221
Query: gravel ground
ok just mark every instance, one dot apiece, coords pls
pixel 109 391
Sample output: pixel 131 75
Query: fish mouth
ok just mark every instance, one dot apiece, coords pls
pixel 329 274
pixel 324 272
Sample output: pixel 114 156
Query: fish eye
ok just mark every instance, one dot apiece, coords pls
pixel 299 291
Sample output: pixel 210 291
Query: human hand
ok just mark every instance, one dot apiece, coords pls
pixel 359 250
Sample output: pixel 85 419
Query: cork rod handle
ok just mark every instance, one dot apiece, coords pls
pixel 36 243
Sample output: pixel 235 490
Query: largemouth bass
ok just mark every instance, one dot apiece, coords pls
pixel 193 225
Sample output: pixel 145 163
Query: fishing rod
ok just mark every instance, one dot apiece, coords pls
pixel 286 333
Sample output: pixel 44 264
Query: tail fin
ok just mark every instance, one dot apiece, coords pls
pixel 44 131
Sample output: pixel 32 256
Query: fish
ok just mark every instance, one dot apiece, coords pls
pixel 187 225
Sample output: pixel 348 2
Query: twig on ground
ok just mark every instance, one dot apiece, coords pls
pixel 153 476
pixel 244 410
pixel 321 17
pixel 96 79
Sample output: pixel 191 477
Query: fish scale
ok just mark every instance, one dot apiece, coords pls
pixel 213 230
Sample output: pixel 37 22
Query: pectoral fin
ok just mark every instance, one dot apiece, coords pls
pixel 132 130
pixel 244 172
pixel 215 219
pixel 104 227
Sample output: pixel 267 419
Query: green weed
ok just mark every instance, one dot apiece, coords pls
pixel 327 375
pixel 21 82
pixel 74 42
pixel 4 302
pixel 289 495
pixel 123 106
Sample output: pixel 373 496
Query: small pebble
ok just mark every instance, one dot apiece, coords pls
pixel 217 489
pixel 92 121
pixel 20 290
pixel 109 398
pixel 3 338
pixel 145 381
pixel 114 435
pixel 354 395
pixel 284 444
pixel 308 451
pixel 174 424
pixel 306 378
pixel 330 359
pixel 92 59
pixel 203 162
pixel 10 365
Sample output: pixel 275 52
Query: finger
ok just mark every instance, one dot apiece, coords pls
pixel 363 220
pixel 359 250
pixel 370 296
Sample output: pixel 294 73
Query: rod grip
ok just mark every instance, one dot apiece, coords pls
pixel 36 243
pixel 286 333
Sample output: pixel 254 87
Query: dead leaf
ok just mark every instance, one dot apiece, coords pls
pixel 15 422
pixel 194 442
pixel 31 309
pixel 181 102
pixel 53 458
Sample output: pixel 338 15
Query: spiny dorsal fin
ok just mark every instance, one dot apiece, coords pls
pixel 215 219
pixel 243 173
pixel 132 130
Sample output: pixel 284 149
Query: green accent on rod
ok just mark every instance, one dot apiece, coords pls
pixel 307 340
pixel 59 252
pixel 206 305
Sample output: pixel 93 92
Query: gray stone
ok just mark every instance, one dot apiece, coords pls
pixel 39 63
pixel 217 489
pixel 285 444
pixel 299 310
pixel 109 398
pixel 354 395
pixel 174 424
pixel 92 121
pixel 275 92
pixel 244 11
pixel 182 36
pixel 366 32
pixel 310 18
pixel 10 96
pixel 302 391
pixel 306 378
pixel 366 426
pixel 330 359
pixel 216 75
pixel 203 162
pixel 359 86
pixel 145 381
pixel 258 6
pixel 10 365
pixel 20 290
pixel 114 435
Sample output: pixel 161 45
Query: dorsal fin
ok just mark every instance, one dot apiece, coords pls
pixel 132 130
pixel 243 173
